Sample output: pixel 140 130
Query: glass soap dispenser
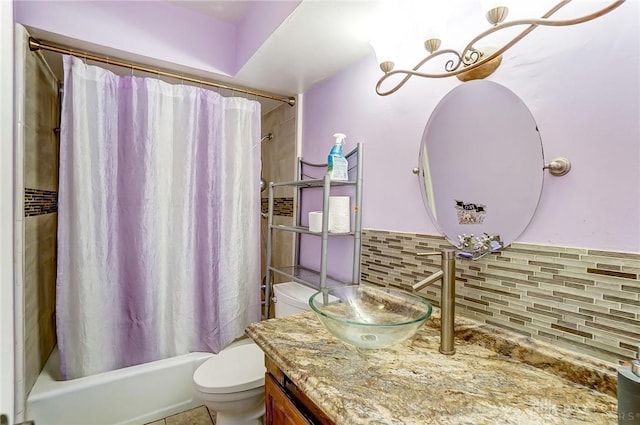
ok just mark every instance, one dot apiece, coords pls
pixel 629 392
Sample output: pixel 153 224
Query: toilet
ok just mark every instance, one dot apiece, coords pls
pixel 232 381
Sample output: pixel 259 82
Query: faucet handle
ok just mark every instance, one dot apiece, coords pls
pixel 424 254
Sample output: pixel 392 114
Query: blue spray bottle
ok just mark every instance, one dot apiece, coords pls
pixel 337 165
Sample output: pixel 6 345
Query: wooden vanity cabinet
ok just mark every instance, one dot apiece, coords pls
pixel 286 404
pixel 280 409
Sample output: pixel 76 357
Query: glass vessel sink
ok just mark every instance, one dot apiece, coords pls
pixel 368 316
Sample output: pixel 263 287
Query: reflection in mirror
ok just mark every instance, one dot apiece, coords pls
pixel 481 167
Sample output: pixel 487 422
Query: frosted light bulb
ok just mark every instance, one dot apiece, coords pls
pixel 384 49
pixel 388 32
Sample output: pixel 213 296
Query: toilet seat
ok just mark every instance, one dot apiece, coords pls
pixel 234 369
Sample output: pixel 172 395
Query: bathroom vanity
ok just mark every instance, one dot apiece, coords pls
pixel 495 377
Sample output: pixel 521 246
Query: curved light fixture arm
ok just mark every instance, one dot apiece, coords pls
pixel 496 28
pixel 472 58
pixel 414 71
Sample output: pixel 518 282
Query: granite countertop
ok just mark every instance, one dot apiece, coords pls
pixel 495 377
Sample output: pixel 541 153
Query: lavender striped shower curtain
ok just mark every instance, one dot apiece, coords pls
pixel 158 228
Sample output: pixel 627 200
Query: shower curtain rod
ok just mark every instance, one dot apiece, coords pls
pixel 35 44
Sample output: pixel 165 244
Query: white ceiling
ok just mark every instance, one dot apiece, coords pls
pixel 319 39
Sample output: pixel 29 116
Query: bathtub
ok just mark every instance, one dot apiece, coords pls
pixel 130 396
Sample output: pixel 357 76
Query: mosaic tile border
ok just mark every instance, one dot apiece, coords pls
pixel 581 299
pixel 281 206
pixel 39 202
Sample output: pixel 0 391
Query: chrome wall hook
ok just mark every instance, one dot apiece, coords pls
pixel 558 167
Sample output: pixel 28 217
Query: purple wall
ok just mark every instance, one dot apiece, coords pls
pixel 152 29
pixel 581 84
pixel 582 87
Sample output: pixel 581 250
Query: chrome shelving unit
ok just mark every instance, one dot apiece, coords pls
pixel 307 174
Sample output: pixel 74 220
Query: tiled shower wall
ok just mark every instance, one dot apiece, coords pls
pixel 582 299
pixel 278 165
pixel 38 226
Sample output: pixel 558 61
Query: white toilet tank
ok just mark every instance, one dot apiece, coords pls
pixel 291 298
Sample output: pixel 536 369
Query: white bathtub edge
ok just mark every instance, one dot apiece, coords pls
pixel 129 396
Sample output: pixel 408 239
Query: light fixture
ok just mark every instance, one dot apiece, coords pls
pixel 473 62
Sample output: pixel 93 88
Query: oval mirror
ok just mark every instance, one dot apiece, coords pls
pixel 481 167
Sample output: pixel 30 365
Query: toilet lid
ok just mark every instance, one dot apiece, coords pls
pixel 239 368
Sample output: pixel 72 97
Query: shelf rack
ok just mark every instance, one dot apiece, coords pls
pixel 308 177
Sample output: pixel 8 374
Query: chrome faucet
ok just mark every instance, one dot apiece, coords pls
pixel 447 274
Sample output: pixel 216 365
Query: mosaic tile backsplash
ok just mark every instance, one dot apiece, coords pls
pixel 582 299
pixel 281 206
pixel 38 202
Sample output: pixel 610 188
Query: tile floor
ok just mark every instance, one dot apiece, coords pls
pixel 198 416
